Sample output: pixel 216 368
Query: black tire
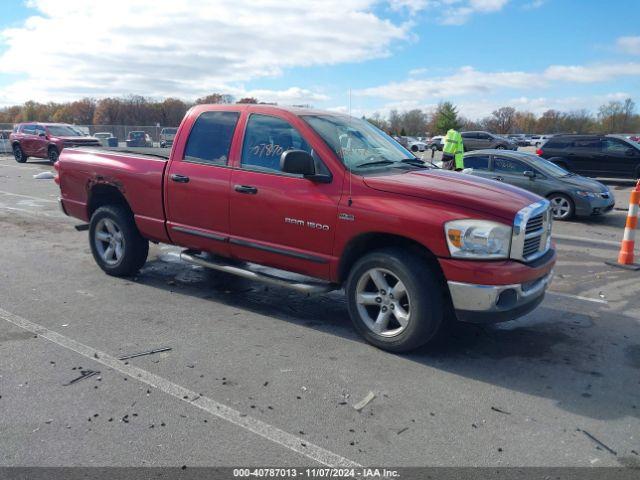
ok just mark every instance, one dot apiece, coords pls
pixel 560 199
pixel 135 248
pixel 424 296
pixel 18 154
pixel 414 148
pixel 53 155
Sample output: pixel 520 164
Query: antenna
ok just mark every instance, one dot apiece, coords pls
pixel 350 202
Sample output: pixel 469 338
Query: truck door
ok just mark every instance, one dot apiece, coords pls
pixel 197 184
pixel 278 219
pixel 40 142
pixel 27 140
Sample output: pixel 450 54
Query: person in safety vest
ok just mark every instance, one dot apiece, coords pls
pixel 452 151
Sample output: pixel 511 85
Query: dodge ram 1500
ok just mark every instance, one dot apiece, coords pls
pixel 318 201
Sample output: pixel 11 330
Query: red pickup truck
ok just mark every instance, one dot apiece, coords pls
pixel 318 201
pixel 46 140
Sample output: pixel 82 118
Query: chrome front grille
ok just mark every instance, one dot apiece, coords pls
pixel 531 232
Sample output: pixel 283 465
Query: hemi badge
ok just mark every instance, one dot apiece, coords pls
pixel 346 216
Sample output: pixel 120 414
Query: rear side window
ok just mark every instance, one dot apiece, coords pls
pixel 587 143
pixel 508 165
pixel 265 140
pixel 610 145
pixel 558 143
pixel 477 162
pixel 469 135
pixel 210 138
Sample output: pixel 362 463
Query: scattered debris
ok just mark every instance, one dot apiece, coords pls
pixel 365 401
pixel 84 374
pixel 496 409
pixel 402 430
pixel 613 452
pixel 141 354
pixel 265 384
pixel 43 176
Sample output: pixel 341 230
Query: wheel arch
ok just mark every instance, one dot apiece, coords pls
pixel 368 242
pixel 102 194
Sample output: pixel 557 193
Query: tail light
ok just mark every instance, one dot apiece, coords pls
pixel 56 177
pixel 539 151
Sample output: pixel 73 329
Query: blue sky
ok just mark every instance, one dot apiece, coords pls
pixel 481 54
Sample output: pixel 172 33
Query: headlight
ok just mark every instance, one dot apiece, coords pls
pixel 585 194
pixel 480 239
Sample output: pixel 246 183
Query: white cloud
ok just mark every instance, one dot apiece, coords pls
pixel 451 12
pixel 629 45
pixel 532 5
pixel 469 81
pixel 71 48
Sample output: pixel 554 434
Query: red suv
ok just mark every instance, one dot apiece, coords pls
pixel 46 140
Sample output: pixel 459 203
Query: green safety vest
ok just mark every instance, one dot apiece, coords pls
pixel 453 146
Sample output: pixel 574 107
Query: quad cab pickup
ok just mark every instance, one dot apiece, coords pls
pixel 317 201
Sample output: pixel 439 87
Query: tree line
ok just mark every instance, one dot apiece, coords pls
pixel 612 117
pixel 131 110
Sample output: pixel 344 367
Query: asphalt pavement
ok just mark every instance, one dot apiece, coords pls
pixel 259 375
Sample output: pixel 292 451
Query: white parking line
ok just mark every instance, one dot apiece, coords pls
pixel 577 297
pixel 274 434
pixel 597 241
pixel 39 199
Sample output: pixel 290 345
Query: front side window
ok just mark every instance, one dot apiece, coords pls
pixel 29 129
pixel 358 144
pixel 210 138
pixel 508 166
pixel 477 162
pixel 265 140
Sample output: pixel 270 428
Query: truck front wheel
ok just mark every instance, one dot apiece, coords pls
pixel 116 244
pixel 395 300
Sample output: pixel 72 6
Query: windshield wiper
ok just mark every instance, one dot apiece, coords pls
pixel 415 162
pixel 377 162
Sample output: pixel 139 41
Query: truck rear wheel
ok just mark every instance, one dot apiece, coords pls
pixel 116 244
pixel 395 300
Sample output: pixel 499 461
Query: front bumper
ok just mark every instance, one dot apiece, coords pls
pixel 594 206
pixel 497 303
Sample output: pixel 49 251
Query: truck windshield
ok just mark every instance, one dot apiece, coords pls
pixel 359 145
pixel 63 131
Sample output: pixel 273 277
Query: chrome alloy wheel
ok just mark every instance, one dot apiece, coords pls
pixel 383 302
pixel 109 241
pixel 560 207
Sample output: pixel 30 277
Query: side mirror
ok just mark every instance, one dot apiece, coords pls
pixel 297 162
pixel 302 163
pixel 530 174
pixel 42 134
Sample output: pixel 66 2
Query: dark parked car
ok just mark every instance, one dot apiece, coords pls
pixel 594 155
pixel 484 140
pixel 569 194
pixel 139 139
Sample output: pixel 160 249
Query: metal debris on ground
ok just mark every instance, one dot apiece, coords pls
pixel 141 354
pixel 496 409
pixel 84 374
pixel 365 401
pixel 610 450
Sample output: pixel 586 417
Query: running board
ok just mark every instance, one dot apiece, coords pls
pixel 267 275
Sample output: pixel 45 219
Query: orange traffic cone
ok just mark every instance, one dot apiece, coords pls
pixel 627 247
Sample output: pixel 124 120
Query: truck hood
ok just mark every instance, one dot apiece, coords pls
pixel 442 186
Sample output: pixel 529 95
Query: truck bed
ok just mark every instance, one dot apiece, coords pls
pixel 136 173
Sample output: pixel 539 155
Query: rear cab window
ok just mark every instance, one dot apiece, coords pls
pixel 210 138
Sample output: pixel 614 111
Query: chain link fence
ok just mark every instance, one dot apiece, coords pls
pixel 120 132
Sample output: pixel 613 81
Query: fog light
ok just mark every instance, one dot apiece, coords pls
pixel 507 298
